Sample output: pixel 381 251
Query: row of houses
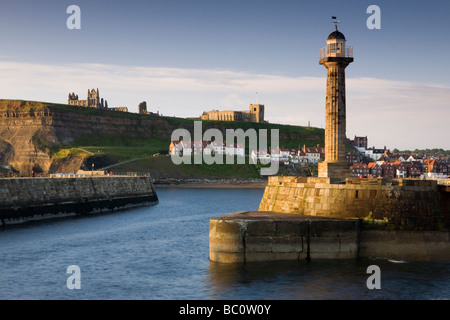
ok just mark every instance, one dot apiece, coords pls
pixel 405 166
pixel 413 158
pixel 360 144
pixel 304 155
pixel 391 164
pixel 428 168
pixel 312 155
pixel 194 148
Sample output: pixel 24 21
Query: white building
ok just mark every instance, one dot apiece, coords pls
pixel 374 154
pixel 235 149
pixel 202 147
pixel 313 154
pixel 261 156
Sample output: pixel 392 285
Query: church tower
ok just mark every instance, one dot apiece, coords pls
pixel 258 111
pixel 335 57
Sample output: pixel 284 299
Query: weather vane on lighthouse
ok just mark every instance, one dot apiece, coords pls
pixel 335 22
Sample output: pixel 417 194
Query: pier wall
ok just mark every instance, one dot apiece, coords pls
pixel 405 245
pixel 23 199
pixel 267 236
pixel 407 202
pixel 326 218
pixel 258 236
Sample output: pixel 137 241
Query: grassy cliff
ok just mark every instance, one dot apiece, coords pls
pixel 64 134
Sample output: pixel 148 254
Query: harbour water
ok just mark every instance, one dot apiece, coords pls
pixel 162 252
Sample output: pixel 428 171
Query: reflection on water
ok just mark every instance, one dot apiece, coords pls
pixel 328 279
pixel 162 252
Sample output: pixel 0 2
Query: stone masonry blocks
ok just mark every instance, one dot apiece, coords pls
pixel 356 198
pixel 262 236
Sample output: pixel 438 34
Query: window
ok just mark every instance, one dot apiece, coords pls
pixel 334 48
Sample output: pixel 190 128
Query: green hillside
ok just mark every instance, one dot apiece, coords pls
pixel 128 142
pixel 128 154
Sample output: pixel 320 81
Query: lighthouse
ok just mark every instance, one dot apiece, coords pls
pixel 336 56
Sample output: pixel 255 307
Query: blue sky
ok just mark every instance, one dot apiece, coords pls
pixel 186 57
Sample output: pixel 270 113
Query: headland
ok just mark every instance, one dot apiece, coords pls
pixel 48 138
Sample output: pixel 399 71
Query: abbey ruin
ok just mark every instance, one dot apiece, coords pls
pixel 93 100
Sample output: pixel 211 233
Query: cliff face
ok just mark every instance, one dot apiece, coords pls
pixel 28 132
pixel 18 149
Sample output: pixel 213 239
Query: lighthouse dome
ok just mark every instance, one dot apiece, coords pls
pixel 336 35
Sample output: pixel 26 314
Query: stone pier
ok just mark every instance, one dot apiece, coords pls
pixel 354 198
pixel 247 236
pixel 323 218
pixel 25 199
pixel 263 236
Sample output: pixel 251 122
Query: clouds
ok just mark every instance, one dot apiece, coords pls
pixel 399 114
pixel 392 113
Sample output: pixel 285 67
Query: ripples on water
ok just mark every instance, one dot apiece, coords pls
pixel 161 252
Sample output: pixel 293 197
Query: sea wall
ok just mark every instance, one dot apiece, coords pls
pixel 266 236
pixel 263 236
pixel 405 245
pixel 408 202
pixel 326 218
pixel 23 199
